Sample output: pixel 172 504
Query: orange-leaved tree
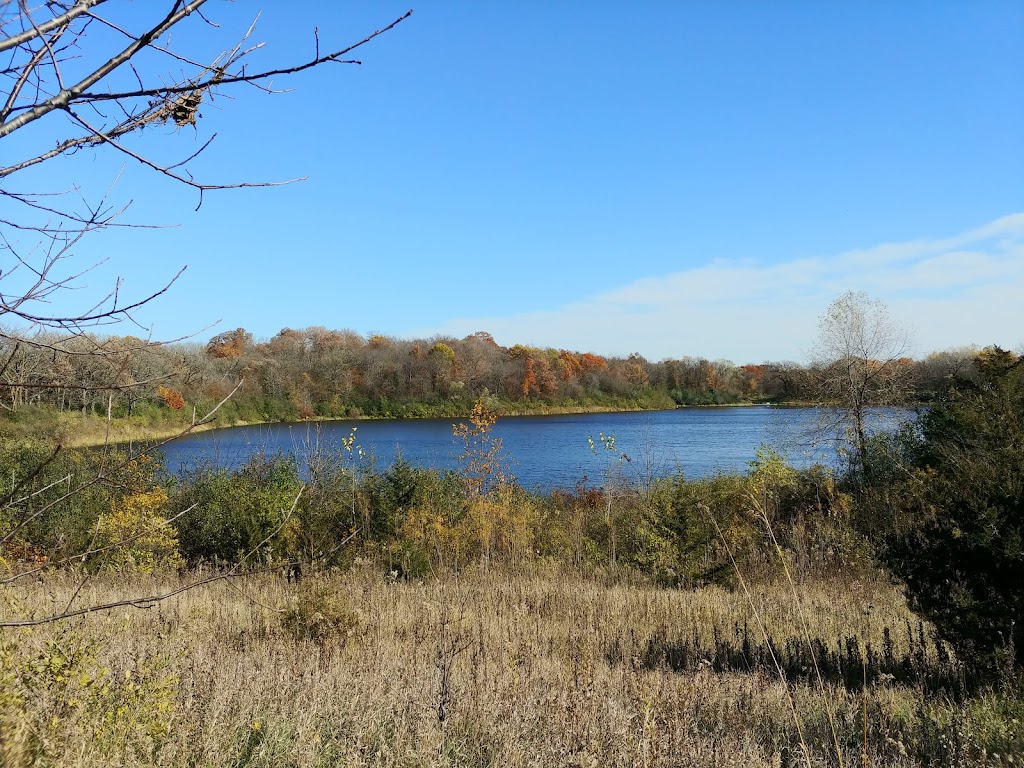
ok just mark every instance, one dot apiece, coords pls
pixel 171 397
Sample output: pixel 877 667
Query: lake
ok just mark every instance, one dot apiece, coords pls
pixel 546 452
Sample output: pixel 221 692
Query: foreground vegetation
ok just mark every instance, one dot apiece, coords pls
pixel 343 613
pixel 508 668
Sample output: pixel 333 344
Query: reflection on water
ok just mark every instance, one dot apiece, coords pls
pixel 549 451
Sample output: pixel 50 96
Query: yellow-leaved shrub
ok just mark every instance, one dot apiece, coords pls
pixel 136 535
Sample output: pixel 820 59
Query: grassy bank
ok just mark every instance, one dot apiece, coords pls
pixel 535 668
pixel 78 430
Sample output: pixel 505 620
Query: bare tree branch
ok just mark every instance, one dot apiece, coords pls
pixel 66 96
pixel 80 7
pixel 334 57
pixel 39 53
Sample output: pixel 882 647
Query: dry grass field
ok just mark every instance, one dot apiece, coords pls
pixel 543 668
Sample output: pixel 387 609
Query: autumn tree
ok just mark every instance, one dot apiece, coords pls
pixel 417 372
pixel 751 377
pixel 569 365
pixel 229 344
pixel 591 363
pixel 861 359
pixel 708 375
pixel 481 360
pixel 483 453
pixel 530 385
pixel 547 379
pixel 442 363
pixel 495 518
pixel 382 368
pixel 635 370
pixel 171 397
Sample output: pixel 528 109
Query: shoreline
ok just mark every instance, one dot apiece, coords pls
pixel 121 432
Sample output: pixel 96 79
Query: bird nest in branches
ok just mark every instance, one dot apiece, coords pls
pixel 183 110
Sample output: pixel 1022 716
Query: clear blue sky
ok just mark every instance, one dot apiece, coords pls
pixel 672 178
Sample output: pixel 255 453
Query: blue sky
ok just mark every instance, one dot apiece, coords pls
pixel 692 178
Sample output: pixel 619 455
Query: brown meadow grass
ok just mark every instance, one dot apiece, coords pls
pixel 541 667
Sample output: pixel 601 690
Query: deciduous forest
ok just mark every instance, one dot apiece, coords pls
pixel 318 373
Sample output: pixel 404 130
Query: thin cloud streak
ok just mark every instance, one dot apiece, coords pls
pixel 953 291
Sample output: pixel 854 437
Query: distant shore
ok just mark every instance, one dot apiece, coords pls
pixel 75 430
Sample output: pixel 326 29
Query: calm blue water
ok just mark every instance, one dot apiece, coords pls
pixel 545 452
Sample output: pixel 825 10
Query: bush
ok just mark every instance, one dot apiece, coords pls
pixel 319 614
pixel 56 498
pixel 235 511
pixel 57 692
pixel 136 536
pixel 957 540
pixel 700 522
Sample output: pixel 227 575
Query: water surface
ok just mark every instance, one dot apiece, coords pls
pixel 545 452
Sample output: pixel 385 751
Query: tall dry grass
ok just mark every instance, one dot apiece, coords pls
pixel 538 668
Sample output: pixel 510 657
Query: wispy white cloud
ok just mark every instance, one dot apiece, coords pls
pixel 965 289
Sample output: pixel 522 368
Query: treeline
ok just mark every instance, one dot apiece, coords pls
pixel 319 373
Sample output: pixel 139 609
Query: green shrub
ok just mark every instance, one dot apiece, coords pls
pixel 949 518
pixel 57 691
pixel 55 498
pixel 235 511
